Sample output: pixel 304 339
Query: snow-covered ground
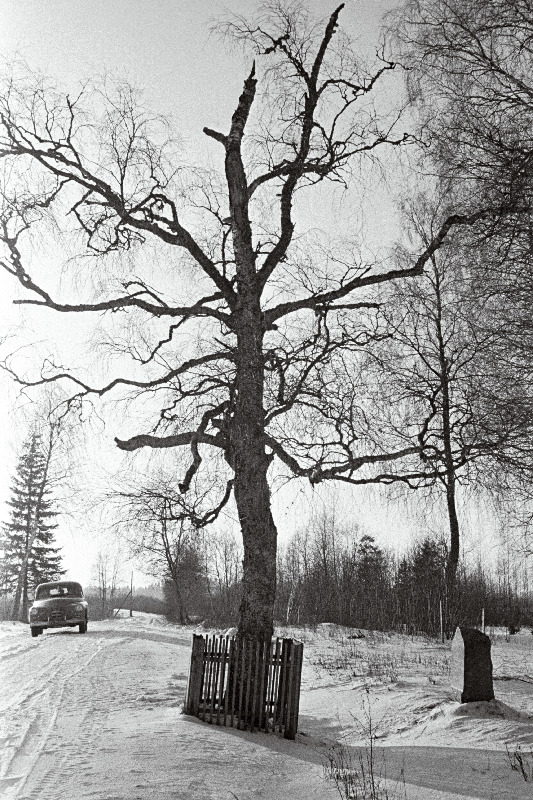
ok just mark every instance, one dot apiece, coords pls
pixel 99 716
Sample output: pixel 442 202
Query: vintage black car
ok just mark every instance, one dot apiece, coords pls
pixel 59 604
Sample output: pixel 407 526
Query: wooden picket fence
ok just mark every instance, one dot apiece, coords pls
pixel 246 684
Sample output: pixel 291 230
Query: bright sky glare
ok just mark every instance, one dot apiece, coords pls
pixel 166 47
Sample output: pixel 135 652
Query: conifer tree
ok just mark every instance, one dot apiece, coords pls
pixel 28 539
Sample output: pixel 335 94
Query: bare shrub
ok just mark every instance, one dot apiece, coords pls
pixel 361 773
pixel 521 761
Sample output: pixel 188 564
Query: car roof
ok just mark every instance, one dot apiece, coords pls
pixel 67 584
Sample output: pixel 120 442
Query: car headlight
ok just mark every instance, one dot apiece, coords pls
pixel 78 607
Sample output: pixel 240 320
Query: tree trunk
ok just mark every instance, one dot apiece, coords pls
pixel 180 602
pixel 259 537
pixel 252 493
pixel 183 614
pixel 25 604
pixel 22 578
pixel 449 464
pixel 453 555
pixel 247 426
pixel 252 497
pixel 20 602
pixel 15 612
pixel 259 534
pixel 453 521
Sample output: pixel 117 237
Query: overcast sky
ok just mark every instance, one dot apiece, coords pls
pixel 164 46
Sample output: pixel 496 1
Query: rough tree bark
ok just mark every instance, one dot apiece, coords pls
pixel 247 425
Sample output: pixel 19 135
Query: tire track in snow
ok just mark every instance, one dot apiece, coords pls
pixel 32 687
pixel 40 701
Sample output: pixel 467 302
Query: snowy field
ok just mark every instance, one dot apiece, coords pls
pixel 99 716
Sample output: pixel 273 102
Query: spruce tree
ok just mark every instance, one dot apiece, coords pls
pixel 28 539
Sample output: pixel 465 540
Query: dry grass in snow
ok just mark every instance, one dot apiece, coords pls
pixel 392 693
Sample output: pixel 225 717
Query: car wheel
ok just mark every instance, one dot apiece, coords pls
pixel 35 632
pixel 82 627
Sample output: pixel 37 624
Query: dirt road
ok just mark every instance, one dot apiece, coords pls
pixel 98 716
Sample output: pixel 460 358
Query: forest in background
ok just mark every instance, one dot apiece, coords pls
pixel 329 573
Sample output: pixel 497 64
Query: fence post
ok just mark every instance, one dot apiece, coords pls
pixel 281 691
pixel 195 676
pixel 291 725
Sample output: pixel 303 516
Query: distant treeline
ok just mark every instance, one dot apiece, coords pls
pixel 329 576
pixel 100 608
pixel 356 583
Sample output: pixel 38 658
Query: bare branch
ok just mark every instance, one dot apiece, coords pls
pixel 324 299
pixel 176 440
pixel 219 137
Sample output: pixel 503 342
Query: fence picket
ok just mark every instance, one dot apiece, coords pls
pixel 214 676
pixel 282 684
pixel 275 687
pixel 292 723
pixel 249 675
pixel 265 669
pixel 290 676
pixel 194 689
pixel 227 690
pixel 207 683
pixel 235 669
pixel 222 674
pixel 242 669
pixel 255 702
pixel 271 676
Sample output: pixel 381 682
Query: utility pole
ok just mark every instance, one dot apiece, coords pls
pixel 131 595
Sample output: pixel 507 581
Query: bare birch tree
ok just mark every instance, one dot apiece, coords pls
pixel 470 82
pixel 161 528
pixel 443 364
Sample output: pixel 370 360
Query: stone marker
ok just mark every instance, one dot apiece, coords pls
pixel 471 665
pixel 457 662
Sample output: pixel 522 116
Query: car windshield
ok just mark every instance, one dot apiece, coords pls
pixel 59 590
